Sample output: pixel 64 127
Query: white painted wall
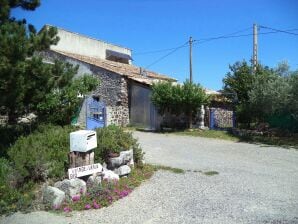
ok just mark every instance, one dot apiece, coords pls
pixel 79 44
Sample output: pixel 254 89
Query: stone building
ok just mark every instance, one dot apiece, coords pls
pixel 124 88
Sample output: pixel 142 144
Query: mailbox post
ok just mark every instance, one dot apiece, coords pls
pixel 82 144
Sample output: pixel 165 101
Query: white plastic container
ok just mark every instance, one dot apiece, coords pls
pixel 83 141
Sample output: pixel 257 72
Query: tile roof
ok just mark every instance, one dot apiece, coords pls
pixel 130 71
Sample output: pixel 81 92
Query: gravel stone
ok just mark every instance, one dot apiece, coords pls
pixel 255 184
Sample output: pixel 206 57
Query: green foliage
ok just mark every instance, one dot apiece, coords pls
pixel 114 139
pixel 60 105
pixel 10 133
pixel 238 82
pixel 11 198
pixel 163 97
pixel 24 79
pixel 268 95
pixel 42 154
pixel 178 99
pixel 274 100
pixel 193 96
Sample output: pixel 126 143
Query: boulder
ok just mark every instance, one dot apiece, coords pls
pixel 72 187
pixel 52 196
pixel 125 157
pixel 123 170
pixel 115 162
pixel 109 175
pixel 94 180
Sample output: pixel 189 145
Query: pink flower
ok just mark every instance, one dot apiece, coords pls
pixel 76 198
pixel 87 206
pixel 67 209
pixel 95 205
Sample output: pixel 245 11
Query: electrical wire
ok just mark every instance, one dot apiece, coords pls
pixel 200 41
pixel 173 48
pixel 277 30
pixel 168 54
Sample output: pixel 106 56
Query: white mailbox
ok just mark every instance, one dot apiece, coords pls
pixel 83 140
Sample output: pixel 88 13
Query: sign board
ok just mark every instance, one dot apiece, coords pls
pixel 84 170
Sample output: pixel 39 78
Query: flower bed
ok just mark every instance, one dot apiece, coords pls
pixel 103 195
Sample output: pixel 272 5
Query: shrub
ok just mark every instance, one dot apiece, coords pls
pixel 10 133
pixel 114 139
pixel 8 194
pixel 42 154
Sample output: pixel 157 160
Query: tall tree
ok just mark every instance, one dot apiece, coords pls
pixel 24 78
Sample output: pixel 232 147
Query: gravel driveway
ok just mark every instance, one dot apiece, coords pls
pixel 255 184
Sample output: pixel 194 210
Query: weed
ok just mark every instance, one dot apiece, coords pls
pixel 210 173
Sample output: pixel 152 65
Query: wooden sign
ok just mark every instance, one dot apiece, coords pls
pixel 84 170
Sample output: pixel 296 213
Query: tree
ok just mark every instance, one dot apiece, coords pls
pixel 59 105
pixel 24 78
pixel 274 99
pixel 238 81
pixel 178 99
pixel 269 96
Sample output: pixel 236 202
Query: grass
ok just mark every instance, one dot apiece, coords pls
pixel 207 173
pixel 168 168
pixel 223 135
pixel 285 142
pixel 210 173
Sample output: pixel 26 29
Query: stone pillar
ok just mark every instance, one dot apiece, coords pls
pixel 202 116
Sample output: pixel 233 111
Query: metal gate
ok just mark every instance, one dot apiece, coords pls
pixel 95 114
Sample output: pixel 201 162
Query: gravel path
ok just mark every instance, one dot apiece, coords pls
pixel 255 184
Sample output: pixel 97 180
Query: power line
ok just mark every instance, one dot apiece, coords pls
pixel 227 36
pixel 200 41
pixel 173 48
pixel 277 30
pixel 168 54
pixel 155 51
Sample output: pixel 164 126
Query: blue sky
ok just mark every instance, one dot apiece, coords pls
pixel 149 25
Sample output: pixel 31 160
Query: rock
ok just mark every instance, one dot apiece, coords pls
pixel 123 170
pixel 53 197
pixel 27 119
pixel 115 162
pixel 110 175
pixel 31 116
pixel 72 187
pixel 125 157
pixel 94 180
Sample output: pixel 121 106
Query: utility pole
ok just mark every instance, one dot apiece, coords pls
pixel 190 77
pixel 255 48
pixel 190 59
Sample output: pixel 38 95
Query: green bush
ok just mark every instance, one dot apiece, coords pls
pixel 42 154
pixel 114 139
pixel 10 133
pixel 9 195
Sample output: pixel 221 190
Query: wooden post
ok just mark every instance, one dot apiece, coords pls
pixel 77 159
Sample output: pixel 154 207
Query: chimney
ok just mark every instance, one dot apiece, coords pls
pixel 143 72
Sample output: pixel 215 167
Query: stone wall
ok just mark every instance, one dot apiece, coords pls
pixel 113 89
pixel 222 118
